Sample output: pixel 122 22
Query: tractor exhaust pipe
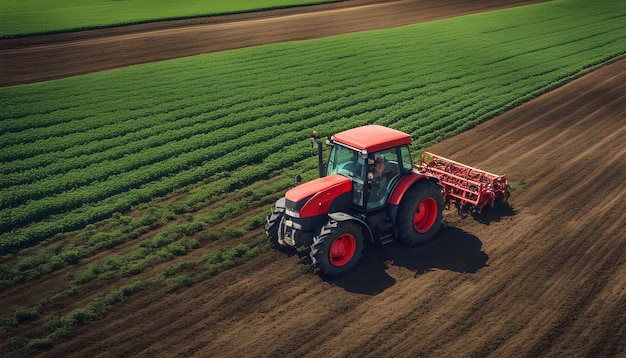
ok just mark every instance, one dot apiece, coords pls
pixel 320 158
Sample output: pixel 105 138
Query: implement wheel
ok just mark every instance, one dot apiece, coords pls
pixel 420 213
pixel 337 249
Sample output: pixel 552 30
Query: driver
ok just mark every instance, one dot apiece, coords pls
pixel 376 176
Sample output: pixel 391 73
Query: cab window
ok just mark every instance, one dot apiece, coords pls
pixel 407 163
pixel 345 161
pixel 384 169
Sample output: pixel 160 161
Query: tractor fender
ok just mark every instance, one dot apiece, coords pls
pixel 341 216
pixel 280 204
pixel 405 183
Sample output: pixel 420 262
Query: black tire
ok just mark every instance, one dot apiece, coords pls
pixel 273 227
pixel 420 213
pixel 337 249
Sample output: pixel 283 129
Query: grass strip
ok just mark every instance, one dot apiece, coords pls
pixel 30 17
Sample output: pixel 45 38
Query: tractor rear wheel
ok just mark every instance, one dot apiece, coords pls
pixel 420 213
pixel 337 249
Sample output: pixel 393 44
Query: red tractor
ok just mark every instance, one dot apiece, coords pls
pixel 369 192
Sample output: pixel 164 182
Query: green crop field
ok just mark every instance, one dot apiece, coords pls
pixel 27 17
pixel 94 161
pixel 77 150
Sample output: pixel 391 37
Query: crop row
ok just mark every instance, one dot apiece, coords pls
pixel 203 146
pixel 204 134
pixel 20 238
pixel 167 127
pixel 531 35
pixel 228 155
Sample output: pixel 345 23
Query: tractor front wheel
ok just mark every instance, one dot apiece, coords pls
pixel 273 227
pixel 337 249
pixel 420 213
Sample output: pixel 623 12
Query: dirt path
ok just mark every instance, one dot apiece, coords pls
pixel 48 57
pixel 545 278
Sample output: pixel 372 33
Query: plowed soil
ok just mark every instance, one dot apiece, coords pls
pixel 545 276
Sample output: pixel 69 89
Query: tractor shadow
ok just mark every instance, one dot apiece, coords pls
pixel 452 249
pixel 489 214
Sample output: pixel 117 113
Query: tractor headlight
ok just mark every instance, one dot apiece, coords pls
pixel 292 213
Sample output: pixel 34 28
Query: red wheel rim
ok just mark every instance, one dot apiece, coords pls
pixel 342 250
pixel 425 215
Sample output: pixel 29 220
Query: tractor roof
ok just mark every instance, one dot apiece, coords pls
pixel 372 138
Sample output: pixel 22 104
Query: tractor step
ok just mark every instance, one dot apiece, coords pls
pixel 387 233
pixel 387 239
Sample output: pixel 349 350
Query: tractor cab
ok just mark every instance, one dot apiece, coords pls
pixel 373 175
pixel 370 163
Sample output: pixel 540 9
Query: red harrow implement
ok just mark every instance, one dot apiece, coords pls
pixel 470 189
